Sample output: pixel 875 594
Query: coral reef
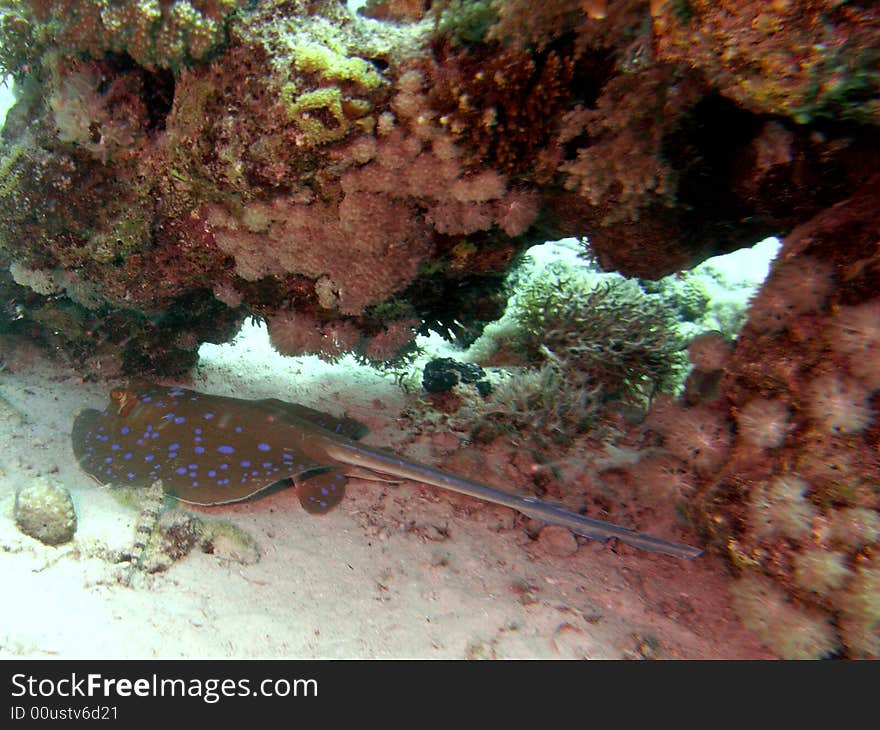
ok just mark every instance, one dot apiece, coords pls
pixel 609 334
pixel 44 510
pixel 740 46
pixel 153 34
pixel 699 436
pixel 171 168
pixel 354 179
pixel 792 631
pixel 542 402
pixel 763 423
pixel 794 500
pixel 709 352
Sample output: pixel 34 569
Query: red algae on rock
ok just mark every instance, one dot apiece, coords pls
pixel 386 164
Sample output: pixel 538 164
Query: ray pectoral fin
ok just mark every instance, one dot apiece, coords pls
pixel 319 493
pixel 84 443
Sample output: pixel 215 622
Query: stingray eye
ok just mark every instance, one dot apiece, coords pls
pixel 125 400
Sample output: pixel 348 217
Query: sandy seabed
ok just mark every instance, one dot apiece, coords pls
pixel 404 571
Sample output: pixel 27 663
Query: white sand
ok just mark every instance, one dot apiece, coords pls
pixel 405 571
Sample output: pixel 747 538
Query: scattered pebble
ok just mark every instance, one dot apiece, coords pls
pixel 44 510
pixel 557 541
pixel 230 543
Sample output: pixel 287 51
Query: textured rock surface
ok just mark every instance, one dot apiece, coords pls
pixel 44 510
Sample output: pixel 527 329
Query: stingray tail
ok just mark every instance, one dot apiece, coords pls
pixel 362 456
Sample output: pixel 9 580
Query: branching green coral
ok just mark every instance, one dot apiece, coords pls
pixel 546 401
pixel 611 335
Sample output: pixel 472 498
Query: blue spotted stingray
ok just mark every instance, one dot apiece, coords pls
pixel 211 450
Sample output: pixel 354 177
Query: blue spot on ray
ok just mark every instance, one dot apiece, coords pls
pixel 226 449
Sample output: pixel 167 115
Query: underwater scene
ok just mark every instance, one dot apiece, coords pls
pixel 471 329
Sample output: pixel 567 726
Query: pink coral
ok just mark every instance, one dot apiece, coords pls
pixel 709 351
pixel 459 218
pixel 839 404
pixel 516 211
pixel 781 509
pixel 795 287
pixel 362 251
pixel 791 630
pixel 698 436
pixel 855 334
pixel 295 333
pixel 763 423
pixel 388 343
